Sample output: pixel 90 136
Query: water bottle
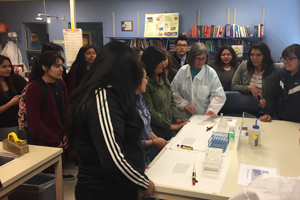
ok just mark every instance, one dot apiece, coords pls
pixel 231 134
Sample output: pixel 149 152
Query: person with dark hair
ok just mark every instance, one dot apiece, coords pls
pixel 158 95
pixel 50 46
pixel 105 128
pixel 84 60
pixel 196 86
pixel 180 56
pixel 169 68
pixel 225 65
pixel 138 51
pixel 149 139
pixel 11 86
pixel 46 118
pixel 257 74
pixel 285 93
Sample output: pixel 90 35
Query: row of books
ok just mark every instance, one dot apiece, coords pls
pixel 230 30
pixel 144 43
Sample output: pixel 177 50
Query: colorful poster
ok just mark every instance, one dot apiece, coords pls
pixel 161 25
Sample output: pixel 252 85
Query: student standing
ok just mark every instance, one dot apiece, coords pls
pixel 225 65
pixel 105 128
pixel 11 86
pixel 169 68
pixel 256 75
pixel 284 97
pixel 158 95
pixel 180 56
pixel 84 60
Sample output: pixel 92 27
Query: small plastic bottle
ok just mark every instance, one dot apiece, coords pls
pixel 223 125
pixel 231 134
pixel 255 136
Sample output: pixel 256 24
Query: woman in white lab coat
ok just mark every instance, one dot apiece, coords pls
pixel 196 86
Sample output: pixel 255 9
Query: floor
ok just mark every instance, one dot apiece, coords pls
pixel 69 186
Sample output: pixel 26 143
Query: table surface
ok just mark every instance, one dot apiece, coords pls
pixel 279 149
pixel 37 156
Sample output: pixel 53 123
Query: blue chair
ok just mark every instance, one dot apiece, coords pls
pixel 237 103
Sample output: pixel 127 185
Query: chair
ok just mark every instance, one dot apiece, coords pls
pixel 237 103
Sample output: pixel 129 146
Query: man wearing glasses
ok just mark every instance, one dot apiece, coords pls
pixel 180 56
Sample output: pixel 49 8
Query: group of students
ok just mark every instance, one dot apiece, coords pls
pixel 124 111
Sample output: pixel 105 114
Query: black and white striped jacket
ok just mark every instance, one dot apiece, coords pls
pixel 285 97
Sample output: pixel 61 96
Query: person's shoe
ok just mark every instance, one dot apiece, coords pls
pixel 68 177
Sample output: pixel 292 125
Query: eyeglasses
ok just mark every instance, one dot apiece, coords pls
pixel 182 45
pixel 224 55
pixel 200 59
pixel 147 78
pixel 287 59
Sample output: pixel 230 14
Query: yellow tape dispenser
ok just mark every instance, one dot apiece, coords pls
pixel 15 145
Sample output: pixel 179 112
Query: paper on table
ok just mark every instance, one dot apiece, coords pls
pixel 197 139
pixel 162 172
pixel 249 172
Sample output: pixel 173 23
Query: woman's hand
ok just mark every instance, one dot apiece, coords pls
pixel 15 100
pixel 146 193
pixel 160 142
pixel 175 127
pixel 211 113
pixel 65 142
pixel 255 92
pixel 262 103
pixel 190 108
pixel 179 121
pixel 266 118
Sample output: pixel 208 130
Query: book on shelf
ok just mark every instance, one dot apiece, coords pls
pixel 261 30
pixel 194 30
pixel 249 31
pixel 255 33
pixel 212 28
pixel 228 32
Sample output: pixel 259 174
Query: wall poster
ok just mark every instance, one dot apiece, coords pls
pixel 161 25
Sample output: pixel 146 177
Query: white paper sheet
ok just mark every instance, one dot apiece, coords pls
pixel 248 173
pixel 194 134
pixel 163 171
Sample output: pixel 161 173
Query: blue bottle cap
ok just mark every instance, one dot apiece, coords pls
pixel 255 126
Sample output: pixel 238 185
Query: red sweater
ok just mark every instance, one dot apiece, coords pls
pixel 45 124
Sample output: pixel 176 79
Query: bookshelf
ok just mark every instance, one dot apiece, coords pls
pixel 167 42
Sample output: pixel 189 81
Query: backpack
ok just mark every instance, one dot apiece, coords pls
pixel 22 114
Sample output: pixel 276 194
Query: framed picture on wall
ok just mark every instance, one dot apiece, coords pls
pixel 126 25
pixel 86 37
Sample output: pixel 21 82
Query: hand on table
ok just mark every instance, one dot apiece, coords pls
pixel 160 142
pixel 179 121
pixel 175 127
pixel 211 113
pixel 266 118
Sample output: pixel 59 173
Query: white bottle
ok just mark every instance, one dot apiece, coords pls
pixel 223 125
pixel 254 136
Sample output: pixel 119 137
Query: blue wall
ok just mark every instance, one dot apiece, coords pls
pixel 282 19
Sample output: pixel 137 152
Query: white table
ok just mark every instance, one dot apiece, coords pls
pixel 280 149
pixel 21 169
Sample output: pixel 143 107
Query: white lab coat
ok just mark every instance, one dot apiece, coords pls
pixel 205 92
pixel 12 51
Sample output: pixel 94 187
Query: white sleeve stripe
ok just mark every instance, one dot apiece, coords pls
pixel 116 155
pixel 281 84
pixel 294 90
pixel 114 144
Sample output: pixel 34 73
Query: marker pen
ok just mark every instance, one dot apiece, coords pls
pixel 194 176
pixel 186 147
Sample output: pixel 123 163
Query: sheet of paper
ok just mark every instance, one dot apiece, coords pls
pixel 249 172
pixel 165 171
pixel 197 139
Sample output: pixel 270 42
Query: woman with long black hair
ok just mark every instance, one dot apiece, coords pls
pixel 84 60
pixel 11 86
pixel 105 128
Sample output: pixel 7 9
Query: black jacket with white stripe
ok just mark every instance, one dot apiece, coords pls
pixel 108 144
pixel 284 98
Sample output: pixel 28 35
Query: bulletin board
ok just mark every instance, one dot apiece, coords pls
pixel 161 25
pixel 73 42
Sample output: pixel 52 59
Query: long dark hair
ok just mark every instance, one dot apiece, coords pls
pixel 115 65
pixel 267 64
pixel 80 64
pixel 152 56
pixel 218 64
pixel 47 59
pixel 9 80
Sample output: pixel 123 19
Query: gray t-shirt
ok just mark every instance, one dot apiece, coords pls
pixel 226 78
